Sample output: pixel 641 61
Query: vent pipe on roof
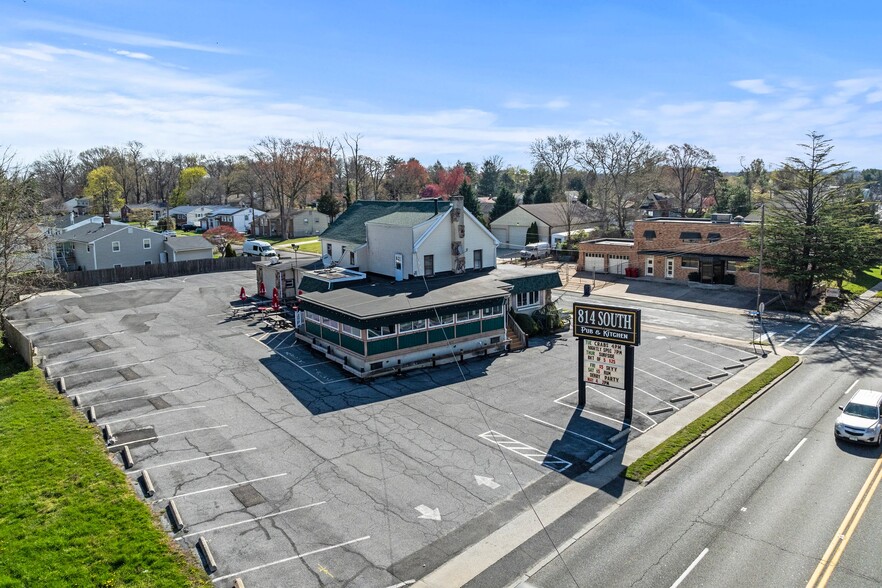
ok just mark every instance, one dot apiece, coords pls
pixel 436 206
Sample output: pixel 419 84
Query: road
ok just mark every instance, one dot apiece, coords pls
pixel 759 502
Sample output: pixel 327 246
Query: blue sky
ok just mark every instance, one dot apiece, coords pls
pixel 442 80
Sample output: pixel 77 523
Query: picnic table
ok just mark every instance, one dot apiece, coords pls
pixel 277 321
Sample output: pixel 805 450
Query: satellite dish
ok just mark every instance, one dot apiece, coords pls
pixel 327 260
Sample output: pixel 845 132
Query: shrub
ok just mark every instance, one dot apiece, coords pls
pixel 527 324
pixel 228 251
pixel 729 279
pixel 166 223
pixel 694 277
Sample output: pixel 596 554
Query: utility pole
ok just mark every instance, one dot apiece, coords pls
pixel 759 283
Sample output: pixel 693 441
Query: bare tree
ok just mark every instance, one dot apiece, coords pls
pixel 622 168
pixel 376 173
pixel 354 167
pixel 556 154
pixel 56 171
pixel 133 167
pixel 686 164
pixel 21 241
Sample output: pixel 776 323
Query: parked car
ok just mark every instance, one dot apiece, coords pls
pixel 536 251
pixel 259 248
pixel 859 420
pixel 169 234
pixel 189 227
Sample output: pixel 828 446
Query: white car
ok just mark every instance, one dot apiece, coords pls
pixel 859 420
pixel 535 251
pixel 259 248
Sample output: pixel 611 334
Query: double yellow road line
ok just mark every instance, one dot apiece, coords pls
pixel 846 529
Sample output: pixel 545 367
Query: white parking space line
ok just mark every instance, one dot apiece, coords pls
pixel 114 386
pixel 686 357
pixel 675 407
pixel 568 432
pixel 154 413
pixel 662 379
pixel 82 357
pixel 292 362
pixel 821 336
pixel 292 558
pixel 167 435
pixel 614 399
pixel 619 422
pixel 90 337
pixel 110 367
pixel 795 334
pixel 690 568
pixel 795 449
pixel 222 487
pixel 727 358
pixel 210 456
pixel 252 520
pixel 850 387
pixel 126 399
pixel 535 455
pixel 678 369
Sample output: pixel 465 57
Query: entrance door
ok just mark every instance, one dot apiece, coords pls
pixel 669 268
pixel 649 268
pixel 479 259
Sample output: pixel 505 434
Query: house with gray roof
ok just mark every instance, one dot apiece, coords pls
pixel 550 218
pixel 407 285
pixel 302 222
pixel 188 248
pixel 191 215
pixel 102 246
pixel 231 216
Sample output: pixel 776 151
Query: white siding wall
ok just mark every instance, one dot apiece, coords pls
pixel 385 241
pixel 517 221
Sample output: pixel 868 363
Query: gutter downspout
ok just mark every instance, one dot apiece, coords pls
pixel 95 254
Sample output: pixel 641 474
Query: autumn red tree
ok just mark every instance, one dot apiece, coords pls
pixel 222 235
pixel 406 180
pixel 451 180
pixel 432 191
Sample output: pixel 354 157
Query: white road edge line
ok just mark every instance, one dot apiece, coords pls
pixel 610 447
pixel 821 336
pixel 155 412
pixel 268 516
pixel 165 465
pixel 222 487
pixel 292 558
pixel 850 387
pixel 795 449
pixel 690 568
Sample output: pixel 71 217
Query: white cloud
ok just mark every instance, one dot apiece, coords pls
pixel 554 104
pixel 756 86
pixel 132 54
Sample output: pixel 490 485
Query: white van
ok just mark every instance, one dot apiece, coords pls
pixel 258 248
pixel 535 251
pixel 859 420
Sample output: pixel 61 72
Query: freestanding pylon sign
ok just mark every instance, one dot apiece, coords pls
pixel 607 337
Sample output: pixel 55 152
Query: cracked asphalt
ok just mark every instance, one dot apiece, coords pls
pixel 299 475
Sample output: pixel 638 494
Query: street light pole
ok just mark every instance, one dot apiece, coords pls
pixel 759 283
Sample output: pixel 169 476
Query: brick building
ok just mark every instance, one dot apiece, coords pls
pixel 715 250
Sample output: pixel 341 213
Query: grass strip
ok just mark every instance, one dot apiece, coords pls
pixel 68 515
pixel 671 446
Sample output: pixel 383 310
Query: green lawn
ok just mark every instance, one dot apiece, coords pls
pixel 305 243
pixel 674 444
pixel 68 516
pixel 863 281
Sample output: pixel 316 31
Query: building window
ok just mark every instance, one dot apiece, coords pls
pixel 146 243
pixel 440 321
pixel 383 331
pixel 311 316
pixel 116 265
pixel 479 259
pixel 527 299
pixel 148 262
pixel 351 331
pixel 429 265
pixel 649 235
pixel 494 310
pixel 731 267
pixel 411 326
pixel 469 315
pixel 689 262
pixel 690 237
pixel 330 323
pixel 115 247
pixel 713 237
pixel 329 249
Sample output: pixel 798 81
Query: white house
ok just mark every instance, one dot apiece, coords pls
pixel 238 218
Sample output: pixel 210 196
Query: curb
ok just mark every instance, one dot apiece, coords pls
pixel 686 450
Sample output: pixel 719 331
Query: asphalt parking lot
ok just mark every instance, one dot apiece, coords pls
pixel 296 474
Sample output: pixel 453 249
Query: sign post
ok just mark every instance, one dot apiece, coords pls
pixel 607 337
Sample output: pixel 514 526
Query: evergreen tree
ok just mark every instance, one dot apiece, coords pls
pixel 504 203
pixel 487 186
pixel 470 200
pixel 328 205
pixel 533 233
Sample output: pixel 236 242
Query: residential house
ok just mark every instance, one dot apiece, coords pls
pixel 101 246
pixel 406 285
pixel 711 251
pixel 657 205
pixel 550 218
pixel 78 206
pixel 237 218
pixel 191 215
pixel 302 222
pixel 157 210
pixel 188 248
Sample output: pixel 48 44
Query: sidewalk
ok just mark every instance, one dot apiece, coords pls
pixel 468 564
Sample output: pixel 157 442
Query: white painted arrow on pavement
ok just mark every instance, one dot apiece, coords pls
pixel 485 481
pixel 428 513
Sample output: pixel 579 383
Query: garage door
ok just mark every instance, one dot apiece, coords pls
pixel 517 236
pixel 594 262
pixel 501 233
pixel 618 264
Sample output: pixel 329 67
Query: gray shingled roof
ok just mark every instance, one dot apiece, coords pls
pixel 188 243
pixel 349 226
pixel 93 231
pixel 555 213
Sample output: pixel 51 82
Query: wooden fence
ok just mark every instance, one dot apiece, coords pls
pixel 157 270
